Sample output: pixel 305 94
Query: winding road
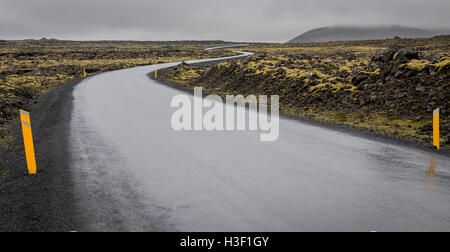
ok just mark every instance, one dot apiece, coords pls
pixel 133 172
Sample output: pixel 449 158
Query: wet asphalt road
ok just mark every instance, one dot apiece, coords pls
pixel 133 172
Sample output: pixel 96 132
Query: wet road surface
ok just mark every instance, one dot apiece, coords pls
pixel 133 172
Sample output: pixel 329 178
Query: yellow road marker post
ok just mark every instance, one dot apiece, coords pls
pixel 84 72
pixel 156 74
pixel 28 141
pixel 436 135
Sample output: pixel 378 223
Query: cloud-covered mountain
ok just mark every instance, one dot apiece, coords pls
pixel 348 33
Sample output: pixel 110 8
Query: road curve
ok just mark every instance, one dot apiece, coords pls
pixel 226 46
pixel 133 172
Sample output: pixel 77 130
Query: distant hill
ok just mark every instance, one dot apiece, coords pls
pixel 348 33
pixel 439 32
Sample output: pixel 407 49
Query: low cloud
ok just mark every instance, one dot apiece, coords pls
pixel 243 20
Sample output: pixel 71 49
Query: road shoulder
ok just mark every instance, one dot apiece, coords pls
pixel 43 202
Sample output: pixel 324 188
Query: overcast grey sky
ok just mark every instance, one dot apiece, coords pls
pixel 237 20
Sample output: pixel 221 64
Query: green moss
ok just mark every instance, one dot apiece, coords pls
pixel 417 65
pixel 188 75
pixel 320 87
pixel 393 117
pixel 445 62
pixel 295 73
pixel 333 87
pixel 332 67
pixel 376 72
pixel 341 116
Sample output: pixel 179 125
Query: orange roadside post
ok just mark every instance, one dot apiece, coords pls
pixel 436 135
pixel 28 142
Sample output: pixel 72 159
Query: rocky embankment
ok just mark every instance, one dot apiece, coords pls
pixel 392 92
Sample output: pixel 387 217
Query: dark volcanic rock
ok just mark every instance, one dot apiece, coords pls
pixel 313 76
pixel 427 128
pixel 359 78
pixel 396 53
pixel 405 55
